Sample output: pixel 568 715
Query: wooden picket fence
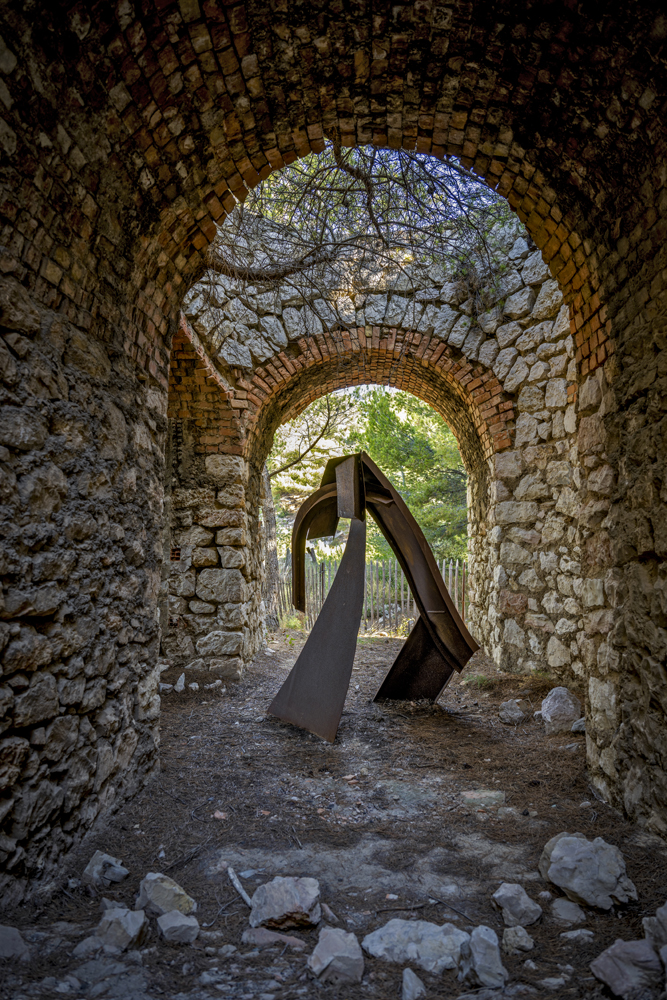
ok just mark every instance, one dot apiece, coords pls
pixel 389 606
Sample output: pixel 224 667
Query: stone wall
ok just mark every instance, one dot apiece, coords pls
pixel 81 472
pixel 529 605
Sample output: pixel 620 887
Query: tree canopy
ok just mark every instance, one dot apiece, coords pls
pixel 412 445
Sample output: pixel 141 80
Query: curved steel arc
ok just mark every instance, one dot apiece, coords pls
pixel 314 693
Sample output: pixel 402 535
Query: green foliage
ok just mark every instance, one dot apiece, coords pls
pixel 410 443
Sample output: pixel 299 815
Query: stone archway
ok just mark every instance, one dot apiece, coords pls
pixel 126 139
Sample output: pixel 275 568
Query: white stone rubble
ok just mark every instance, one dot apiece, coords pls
pixel 566 912
pixel 517 907
pixel 337 957
pixel 121 928
pixel 628 968
pixel 159 894
pixel 103 870
pixel 286 902
pixel 560 709
pixel 413 987
pixel 177 928
pixel 514 711
pixel 480 959
pixel 591 872
pixel 655 928
pixel 12 944
pixel 432 947
pixel 516 939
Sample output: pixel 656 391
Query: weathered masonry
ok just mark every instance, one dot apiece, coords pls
pixel 126 134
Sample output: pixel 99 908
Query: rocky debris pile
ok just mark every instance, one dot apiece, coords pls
pixel 432 947
pixel 118 930
pixel 632 969
pixel 337 957
pixel 512 712
pixel 103 870
pixel 560 710
pixel 286 902
pixel 591 872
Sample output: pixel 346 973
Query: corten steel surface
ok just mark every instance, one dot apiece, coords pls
pixel 314 693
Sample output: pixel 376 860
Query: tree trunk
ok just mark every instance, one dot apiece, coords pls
pixel 272 571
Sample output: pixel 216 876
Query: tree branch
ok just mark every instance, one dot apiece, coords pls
pixel 310 447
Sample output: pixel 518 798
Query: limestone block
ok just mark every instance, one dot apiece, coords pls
pixel 590 394
pixel 507 334
pixel 104 870
pixel 376 307
pixel 337 957
pixel 395 310
pixel 602 699
pixel 526 430
pixel 507 464
pixel 268 302
pixel 432 947
pixel 559 474
pixel 534 270
pixel 510 552
pixel 231 557
pixel 520 303
pixel 519 249
pixel 221 586
pixel 274 330
pixel 413 315
pixel 225 470
pixel 532 487
pixel 629 969
pixel 555 396
pixel 509 283
pixel 204 557
pixel 27 651
pixel 301 323
pixel 538 371
pixel 17 311
pixel 260 348
pixel 601 480
pixel 286 902
pixel 236 355
pixel 557 654
pixel 530 399
pixel 562 323
pixel 412 987
pixel 39 702
pixel 159 894
pixel 592 592
pixel 22 428
pixel 13 752
pixel 178 928
pixel 231 536
pixel 516 512
pixel 473 343
pixel 228 669
pixel 480 959
pixel 516 940
pixel 490 320
pixel 240 313
pixel 549 300
pixel 488 352
pixel 220 644
pixel 591 872
pixel 518 909
pixel 531 580
pixel 516 376
pixel 427 319
pixel 459 331
pixel 504 361
pixel 512 712
pixel 121 928
pixel 655 928
pixel 513 634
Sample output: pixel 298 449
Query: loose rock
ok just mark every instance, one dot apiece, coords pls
pixel 517 907
pixel 516 939
pixel 104 870
pixel 159 894
pixel 286 902
pixel 580 936
pixel 655 928
pixel 431 947
pixel 628 967
pixel 179 686
pixel 567 912
pixel 121 928
pixel 579 726
pixel 413 988
pixel 480 959
pixel 514 711
pixel 12 944
pixel 560 709
pixel 337 957
pixel 177 928
pixel 260 937
pixel 484 798
pixel 591 872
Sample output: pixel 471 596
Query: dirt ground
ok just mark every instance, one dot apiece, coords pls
pixel 377 817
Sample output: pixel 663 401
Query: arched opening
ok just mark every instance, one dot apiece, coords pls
pixel 147 124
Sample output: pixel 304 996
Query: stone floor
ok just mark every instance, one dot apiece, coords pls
pixel 378 817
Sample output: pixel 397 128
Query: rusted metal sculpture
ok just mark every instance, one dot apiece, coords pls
pixel 314 693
